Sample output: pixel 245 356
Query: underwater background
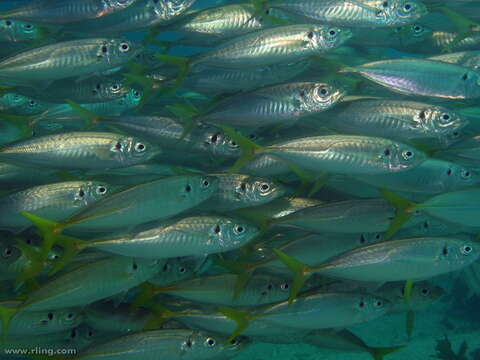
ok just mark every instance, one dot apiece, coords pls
pixel 357 156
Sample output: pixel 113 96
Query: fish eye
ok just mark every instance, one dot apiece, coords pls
pixel 332 32
pixel 188 188
pixel 324 91
pixel 205 184
pixel 238 229
pixel 28 27
pixel 181 270
pixel 124 47
pixel 210 342
pixel 408 155
pixel 136 93
pixel 115 87
pixel 70 316
pixel 134 266
pixel 101 190
pixel 445 117
pixel 408 7
pixel 467 249
pixel 7 252
pixel 465 174
pixel 378 303
pixel 310 35
pixel 233 144
pixel 284 286
pixel 264 187
pixel 140 147
pixel 234 342
pixel 32 103
pixel 425 291
pixel 418 28
pixel 8 23
pixel 214 138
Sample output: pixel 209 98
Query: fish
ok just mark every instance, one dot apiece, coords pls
pixel 36 323
pixel 281 104
pixel 88 91
pixel 391 260
pixel 71 58
pixel 88 150
pixel 431 177
pixel 219 289
pixel 191 236
pixel 236 191
pixel 142 15
pixel 216 81
pixel 57 201
pixel 14 31
pixel 346 154
pixel 177 344
pixel 172 134
pixel 398 119
pixel 272 46
pixel 468 59
pixel 419 77
pixel 212 25
pixel 61 11
pixel 355 13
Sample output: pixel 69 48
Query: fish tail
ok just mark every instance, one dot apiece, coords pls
pixel 378 353
pixel 299 271
pixel 409 323
pixel 35 263
pixel 6 315
pixel 71 247
pixel 243 270
pixel 182 63
pixel 318 185
pixel 187 115
pixel 242 319
pixel 403 214
pixel 148 291
pixel 249 148
pixel 50 231
pixel 160 315
pixel 23 123
pixel 151 87
pixel 407 291
pixel 88 116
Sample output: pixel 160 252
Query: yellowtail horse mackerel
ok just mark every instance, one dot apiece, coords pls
pixel 81 58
